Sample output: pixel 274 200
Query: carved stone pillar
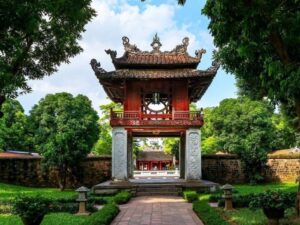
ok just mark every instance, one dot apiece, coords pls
pixel 119 154
pixel 182 156
pixel 193 154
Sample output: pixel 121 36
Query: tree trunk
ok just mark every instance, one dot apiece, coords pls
pixel 2 100
pixel 62 177
pixel 280 48
pixel 297 105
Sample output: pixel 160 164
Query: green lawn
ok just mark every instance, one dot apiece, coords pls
pixel 247 189
pixel 9 191
pixel 50 219
pixel 246 216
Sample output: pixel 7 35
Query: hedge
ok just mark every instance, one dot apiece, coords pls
pixel 207 214
pixel 122 197
pixel 104 216
pixel 190 196
pixel 242 201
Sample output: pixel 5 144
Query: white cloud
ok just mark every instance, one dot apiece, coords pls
pixel 115 18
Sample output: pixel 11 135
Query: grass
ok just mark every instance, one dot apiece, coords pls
pixel 50 219
pixel 9 191
pixel 245 216
pixel 244 189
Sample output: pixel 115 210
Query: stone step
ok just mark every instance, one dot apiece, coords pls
pixel 156 193
pixel 158 190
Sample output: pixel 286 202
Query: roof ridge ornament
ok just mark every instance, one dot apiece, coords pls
pixel 112 53
pixel 129 47
pixel 199 53
pixel 156 44
pixel 182 48
pixel 96 66
pixel 215 65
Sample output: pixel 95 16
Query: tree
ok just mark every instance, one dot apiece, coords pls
pixel 13 127
pixel 104 143
pixel 284 133
pixel 65 130
pixel 259 42
pixel 171 146
pixel 35 38
pixel 244 127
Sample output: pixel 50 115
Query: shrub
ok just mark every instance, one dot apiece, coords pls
pixel 70 207
pixel 122 197
pixel 273 199
pixel 104 216
pixel 31 209
pixel 97 199
pixel 215 198
pixel 238 201
pixel 207 214
pixel 190 196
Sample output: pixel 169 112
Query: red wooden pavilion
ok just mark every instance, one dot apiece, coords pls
pixel 155 89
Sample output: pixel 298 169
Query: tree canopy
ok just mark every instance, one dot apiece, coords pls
pixel 13 127
pixel 35 38
pixel 104 144
pixel 65 129
pixel 247 128
pixel 258 41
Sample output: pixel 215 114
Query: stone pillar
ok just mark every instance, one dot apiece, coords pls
pixel 182 156
pixel 119 154
pixel 193 154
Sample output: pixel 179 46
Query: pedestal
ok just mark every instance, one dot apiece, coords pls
pixel 193 154
pixel 119 154
pixel 82 209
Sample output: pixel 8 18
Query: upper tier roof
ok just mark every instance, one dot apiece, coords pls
pixel 133 57
pixel 143 65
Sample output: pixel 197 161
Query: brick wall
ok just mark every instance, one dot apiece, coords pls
pixel 283 168
pixel 29 172
pixel 222 169
pixel 228 168
pixel 218 168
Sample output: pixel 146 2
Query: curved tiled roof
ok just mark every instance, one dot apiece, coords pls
pixel 154 156
pixel 135 58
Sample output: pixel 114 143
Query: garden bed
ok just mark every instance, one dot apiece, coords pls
pixel 242 215
pixel 63 205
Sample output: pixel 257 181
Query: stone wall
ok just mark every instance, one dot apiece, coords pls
pixel 29 172
pixel 222 169
pixel 228 168
pixel 283 168
pixel 218 168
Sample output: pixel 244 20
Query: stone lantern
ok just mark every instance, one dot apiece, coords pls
pixel 228 196
pixel 82 199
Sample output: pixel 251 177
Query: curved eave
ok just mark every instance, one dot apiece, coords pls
pixel 127 74
pixel 113 82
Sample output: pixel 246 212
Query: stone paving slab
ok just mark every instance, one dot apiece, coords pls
pixel 157 210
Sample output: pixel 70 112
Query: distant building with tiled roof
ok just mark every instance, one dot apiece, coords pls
pixel 154 160
pixel 19 154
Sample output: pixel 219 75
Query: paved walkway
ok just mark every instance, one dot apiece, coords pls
pixel 157 210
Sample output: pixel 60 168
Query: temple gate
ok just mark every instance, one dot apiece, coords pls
pixel 155 89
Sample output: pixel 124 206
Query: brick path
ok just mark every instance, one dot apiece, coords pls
pixel 157 210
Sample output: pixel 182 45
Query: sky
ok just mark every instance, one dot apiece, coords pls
pixel 139 21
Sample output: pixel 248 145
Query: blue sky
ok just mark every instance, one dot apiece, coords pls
pixel 139 21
